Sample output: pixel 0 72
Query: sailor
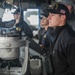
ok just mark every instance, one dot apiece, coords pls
pixel 21 25
pixel 70 5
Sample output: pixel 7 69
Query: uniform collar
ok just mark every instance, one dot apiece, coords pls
pixel 58 29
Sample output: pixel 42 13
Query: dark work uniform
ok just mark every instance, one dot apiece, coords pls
pixel 63 53
pixel 45 48
pixel 40 34
pixel 42 41
pixel 23 27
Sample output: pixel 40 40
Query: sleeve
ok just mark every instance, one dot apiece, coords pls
pixel 71 57
pixel 40 35
pixel 64 58
pixel 27 30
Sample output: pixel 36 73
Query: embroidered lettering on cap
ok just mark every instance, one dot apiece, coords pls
pixel 54 6
pixel 62 11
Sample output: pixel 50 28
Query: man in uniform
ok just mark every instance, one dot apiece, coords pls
pixel 43 29
pixel 20 24
pixel 62 41
pixel 70 5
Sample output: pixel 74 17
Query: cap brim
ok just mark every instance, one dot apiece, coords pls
pixel 14 12
pixel 44 14
pixel 40 17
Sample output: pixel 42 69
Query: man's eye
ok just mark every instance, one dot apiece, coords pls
pixel 52 14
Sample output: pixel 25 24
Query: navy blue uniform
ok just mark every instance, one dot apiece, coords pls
pixel 63 51
pixel 23 27
pixel 20 27
pixel 42 40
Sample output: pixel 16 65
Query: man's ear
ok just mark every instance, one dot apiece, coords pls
pixel 63 17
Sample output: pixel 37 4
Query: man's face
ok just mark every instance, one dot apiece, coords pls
pixel 54 20
pixel 16 16
pixel 44 21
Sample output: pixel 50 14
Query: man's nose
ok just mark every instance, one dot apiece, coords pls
pixel 49 17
